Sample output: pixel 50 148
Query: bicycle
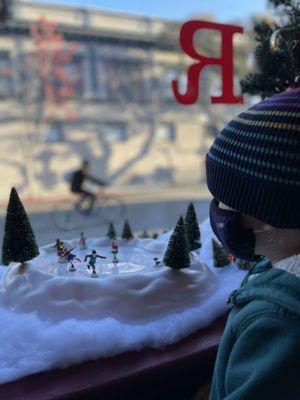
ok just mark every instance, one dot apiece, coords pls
pixel 108 207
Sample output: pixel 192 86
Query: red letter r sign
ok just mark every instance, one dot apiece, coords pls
pixel 225 61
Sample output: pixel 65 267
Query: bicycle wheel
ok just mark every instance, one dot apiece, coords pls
pixel 112 208
pixel 65 219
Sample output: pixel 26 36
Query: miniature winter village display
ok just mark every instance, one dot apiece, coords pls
pixel 137 295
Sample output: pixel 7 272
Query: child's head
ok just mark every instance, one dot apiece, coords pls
pixel 253 167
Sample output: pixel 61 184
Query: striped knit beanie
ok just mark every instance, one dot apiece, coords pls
pixel 253 165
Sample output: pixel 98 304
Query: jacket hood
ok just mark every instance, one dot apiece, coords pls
pixel 275 285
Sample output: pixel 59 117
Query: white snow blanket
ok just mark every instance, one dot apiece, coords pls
pixel 51 317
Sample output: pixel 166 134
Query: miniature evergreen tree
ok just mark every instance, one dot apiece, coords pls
pixel 19 244
pixel 219 255
pixel 127 232
pixel 243 264
pixel 177 253
pixel 144 235
pixel 111 234
pixel 192 228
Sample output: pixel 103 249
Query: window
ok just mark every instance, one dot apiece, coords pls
pixel 74 71
pixel 6 75
pixel 54 134
pixel 122 80
pixel 114 132
pixel 165 132
pixel 61 79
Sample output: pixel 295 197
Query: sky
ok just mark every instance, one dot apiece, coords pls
pixel 223 10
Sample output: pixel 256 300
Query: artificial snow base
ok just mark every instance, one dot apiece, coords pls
pixel 52 317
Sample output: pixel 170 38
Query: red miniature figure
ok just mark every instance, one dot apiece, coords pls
pixel 114 250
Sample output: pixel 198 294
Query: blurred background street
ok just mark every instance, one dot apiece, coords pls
pixel 93 81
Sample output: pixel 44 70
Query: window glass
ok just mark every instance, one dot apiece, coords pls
pixel 114 132
pixel 6 75
pixel 165 132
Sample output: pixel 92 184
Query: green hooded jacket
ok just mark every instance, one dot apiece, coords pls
pixel 259 353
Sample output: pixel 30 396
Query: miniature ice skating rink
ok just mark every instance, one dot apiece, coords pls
pixel 51 317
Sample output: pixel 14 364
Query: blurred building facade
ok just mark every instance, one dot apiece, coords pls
pixel 122 115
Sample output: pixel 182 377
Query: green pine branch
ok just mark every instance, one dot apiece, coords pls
pixel 277 56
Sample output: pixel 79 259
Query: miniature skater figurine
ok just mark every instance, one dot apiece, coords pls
pixel 92 261
pixel 60 247
pixel 61 251
pixel 114 251
pixel 157 262
pixel 82 241
pixel 70 257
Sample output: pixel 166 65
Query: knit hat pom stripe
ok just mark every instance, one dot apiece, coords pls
pixel 251 172
pixel 255 160
pixel 275 117
pixel 269 124
pixel 259 149
pixel 276 113
pixel 255 133
pixel 283 107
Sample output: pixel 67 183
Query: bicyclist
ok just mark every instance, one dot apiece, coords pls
pixel 77 182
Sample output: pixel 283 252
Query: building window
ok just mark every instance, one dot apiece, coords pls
pixel 122 80
pixel 74 70
pixel 165 132
pixel 114 132
pixel 61 80
pixel 6 75
pixel 54 134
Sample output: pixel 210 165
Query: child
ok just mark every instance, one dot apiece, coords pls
pixel 253 173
